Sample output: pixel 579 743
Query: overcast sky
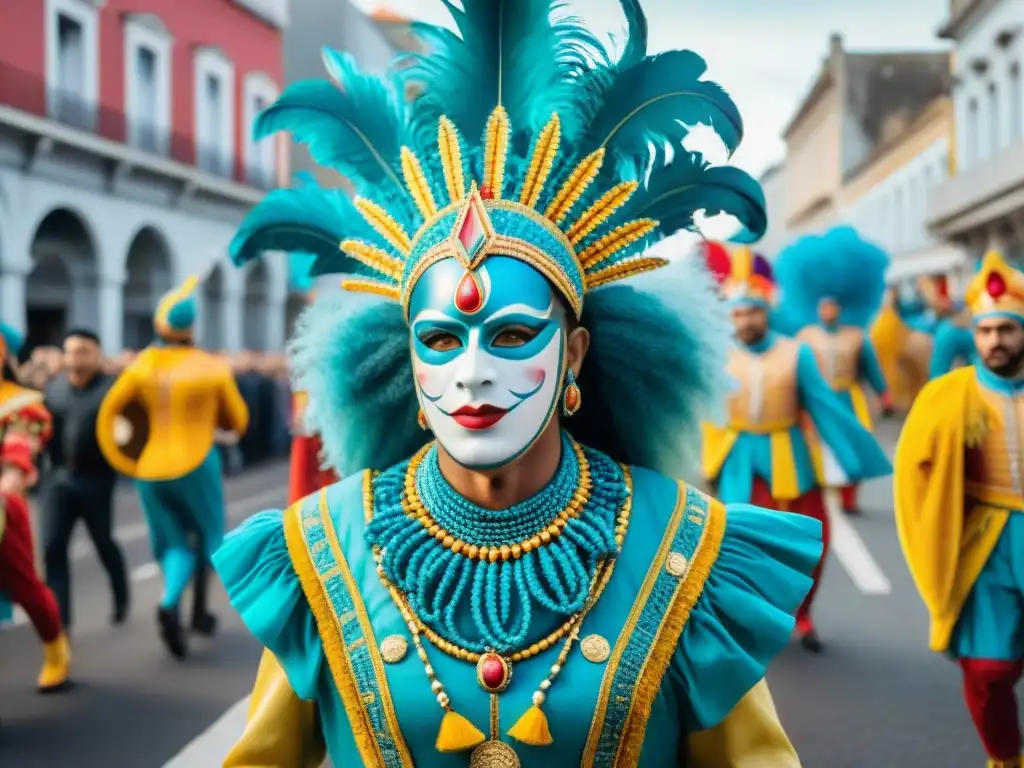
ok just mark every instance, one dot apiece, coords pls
pixel 766 53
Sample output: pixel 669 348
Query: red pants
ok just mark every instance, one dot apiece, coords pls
pixel 811 504
pixel 305 476
pixel 988 690
pixel 19 580
pixel 850 498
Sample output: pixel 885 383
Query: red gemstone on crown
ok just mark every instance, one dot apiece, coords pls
pixel 486 193
pixel 493 672
pixel 995 286
pixel 469 297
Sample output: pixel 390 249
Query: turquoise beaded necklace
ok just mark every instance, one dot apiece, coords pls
pixel 500 598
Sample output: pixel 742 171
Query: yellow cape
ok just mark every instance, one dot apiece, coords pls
pixel 945 549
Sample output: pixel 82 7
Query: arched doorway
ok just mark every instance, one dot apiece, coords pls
pixel 62 289
pixel 256 307
pixel 148 277
pixel 211 310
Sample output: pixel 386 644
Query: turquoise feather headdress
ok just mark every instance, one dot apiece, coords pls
pixel 573 175
pixel 838 265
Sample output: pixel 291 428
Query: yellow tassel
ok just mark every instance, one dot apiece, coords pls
pixel 373 287
pixel 457 734
pixel 532 728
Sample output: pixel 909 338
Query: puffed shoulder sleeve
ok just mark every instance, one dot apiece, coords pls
pixel 744 615
pixel 262 585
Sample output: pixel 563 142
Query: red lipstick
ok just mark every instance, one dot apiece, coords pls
pixel 480 417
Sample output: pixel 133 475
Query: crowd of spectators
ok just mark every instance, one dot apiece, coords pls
pixel 262 379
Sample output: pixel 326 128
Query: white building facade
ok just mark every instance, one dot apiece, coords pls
pixel 982 205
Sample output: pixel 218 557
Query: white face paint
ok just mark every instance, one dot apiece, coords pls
pixel 488 380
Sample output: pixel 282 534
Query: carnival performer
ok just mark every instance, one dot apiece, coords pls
pixel 19 580
pixel 567 601
pixel 832 286
pixel 158 425
pixel 958 509
pixel 22 411
pixel 306 473
pixel 761 453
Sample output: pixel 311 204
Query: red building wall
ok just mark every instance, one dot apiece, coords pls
pixel 249 42
pixel 252 44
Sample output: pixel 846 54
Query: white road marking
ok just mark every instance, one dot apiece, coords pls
pixel 851 551
pixel 212 745
pixel 236 510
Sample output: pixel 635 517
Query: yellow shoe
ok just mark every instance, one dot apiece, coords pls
pixel 56 672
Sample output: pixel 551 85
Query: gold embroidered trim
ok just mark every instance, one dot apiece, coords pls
pixel 329 627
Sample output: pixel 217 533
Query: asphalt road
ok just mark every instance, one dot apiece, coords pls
pixel 877 698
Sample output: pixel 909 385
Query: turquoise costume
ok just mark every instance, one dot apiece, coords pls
pixel 612 616
pixel 954 345
pixel 157 424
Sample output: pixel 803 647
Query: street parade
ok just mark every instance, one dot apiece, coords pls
pixel 483 408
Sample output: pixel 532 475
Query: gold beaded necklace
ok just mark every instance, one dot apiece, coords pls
pixel 494 671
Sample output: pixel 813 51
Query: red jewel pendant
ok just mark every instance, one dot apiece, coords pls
pixel 493 672
pixel 469 296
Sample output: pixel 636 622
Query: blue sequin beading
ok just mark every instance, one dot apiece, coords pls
pixel 482 605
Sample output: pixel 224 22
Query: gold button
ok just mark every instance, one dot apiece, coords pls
pixel 595 648
pixel 393 648
pixel 676 564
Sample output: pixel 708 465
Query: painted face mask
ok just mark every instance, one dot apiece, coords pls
pixel 488 351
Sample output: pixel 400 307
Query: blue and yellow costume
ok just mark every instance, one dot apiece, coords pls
pixel 157 424
pixel 636 612
pixel 785 428
pixel 832 286
pixel 960 518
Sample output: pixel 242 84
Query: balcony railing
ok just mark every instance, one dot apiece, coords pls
pixel 30 93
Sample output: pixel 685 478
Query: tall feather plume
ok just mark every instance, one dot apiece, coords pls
pixel 542 158
pixel 507 52
pixel 355 128
pixel 496 138
pixel 449 146
pixel 307 219
pixel 574 186
pixel 636 34
pixel 602 210
pixel 675 192
pixel 417 184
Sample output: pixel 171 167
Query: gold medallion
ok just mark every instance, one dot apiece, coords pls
pixel 494 754
pixel 595 648
pixel 676 565
pixel 393 648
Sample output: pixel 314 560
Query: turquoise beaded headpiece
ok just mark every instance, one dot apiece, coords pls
pixel 579 169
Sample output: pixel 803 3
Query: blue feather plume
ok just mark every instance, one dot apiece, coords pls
pixel 839 265
pixel 305 218
pixel 676 191
pixel 356 127
pixel 508 52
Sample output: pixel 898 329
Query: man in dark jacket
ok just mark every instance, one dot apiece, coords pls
pixel 80 483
